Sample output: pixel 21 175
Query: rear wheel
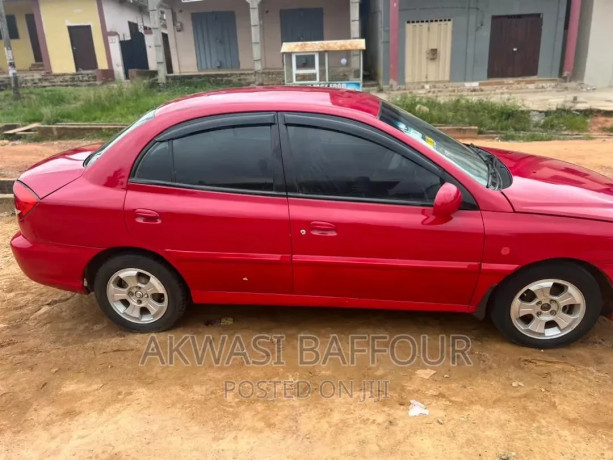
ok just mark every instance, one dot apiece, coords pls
pixel 140 293
pixel 548 305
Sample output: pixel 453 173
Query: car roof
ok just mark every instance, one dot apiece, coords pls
pixel 274 98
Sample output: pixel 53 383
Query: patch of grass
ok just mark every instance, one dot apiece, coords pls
pixel 565 120
pixel 487 115
pixel 117 103
pixel 511 136
pixel 506 117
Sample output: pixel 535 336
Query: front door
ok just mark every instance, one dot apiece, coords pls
pixel 216 40
pixel 210 195
pixel 361 218
pixel 515 44
pixel 83 51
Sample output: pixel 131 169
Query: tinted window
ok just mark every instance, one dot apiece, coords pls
pixel 156 164
pixel 336 164
pixel 465 158
pixel 239 158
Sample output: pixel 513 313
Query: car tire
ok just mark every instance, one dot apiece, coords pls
pixel 140 293
pixel 547 306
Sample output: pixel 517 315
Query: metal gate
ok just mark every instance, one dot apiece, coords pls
pixel 134 51
pixel 215 38
pixel 428 50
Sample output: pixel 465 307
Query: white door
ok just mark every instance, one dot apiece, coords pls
pixel 428 50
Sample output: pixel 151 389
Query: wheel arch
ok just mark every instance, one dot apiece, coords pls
pixel 99 259
pixel 606 287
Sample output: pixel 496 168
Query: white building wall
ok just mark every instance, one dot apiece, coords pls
pixel 117 14
pixel 594 59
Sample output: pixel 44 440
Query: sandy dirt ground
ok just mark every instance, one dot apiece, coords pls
pixel 71 384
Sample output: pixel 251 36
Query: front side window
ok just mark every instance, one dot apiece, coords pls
pixel 234 158
pixel 334 164
pixel 465 158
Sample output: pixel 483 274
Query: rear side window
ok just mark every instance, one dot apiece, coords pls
pixel 238 158
pixel 334 164
pixel 156 165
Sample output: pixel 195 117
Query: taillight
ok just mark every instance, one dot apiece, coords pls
pixel 25 199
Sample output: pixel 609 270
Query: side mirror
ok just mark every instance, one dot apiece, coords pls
pixel 447 201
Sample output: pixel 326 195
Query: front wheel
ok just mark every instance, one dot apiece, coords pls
pixel 140 293
pixel 547 306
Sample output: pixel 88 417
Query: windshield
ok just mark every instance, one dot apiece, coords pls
pixel 98 153
pixel 463 157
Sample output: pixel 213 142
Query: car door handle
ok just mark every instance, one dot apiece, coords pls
pixel 147 216
pixel 322 229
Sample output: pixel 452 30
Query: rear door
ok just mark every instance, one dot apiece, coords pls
pixel 361 219
pixel 209 195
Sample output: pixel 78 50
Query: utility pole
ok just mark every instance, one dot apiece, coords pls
pixel 154 15
pixel 4 29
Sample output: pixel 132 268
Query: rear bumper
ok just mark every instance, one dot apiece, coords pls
pixel 60 266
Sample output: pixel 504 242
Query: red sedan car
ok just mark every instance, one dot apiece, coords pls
pixel 306 196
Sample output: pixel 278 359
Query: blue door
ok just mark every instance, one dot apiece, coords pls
pixel 215 39
pixel 302 25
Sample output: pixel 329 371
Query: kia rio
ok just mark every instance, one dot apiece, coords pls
pixel 316 197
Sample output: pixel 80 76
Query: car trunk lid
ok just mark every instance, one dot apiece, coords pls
pixel 51 174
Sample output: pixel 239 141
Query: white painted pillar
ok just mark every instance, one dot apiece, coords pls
pixel 154 14
pixel 256 39
pixel 354 20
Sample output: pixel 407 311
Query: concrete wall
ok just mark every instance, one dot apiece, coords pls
pixel 57 15
pixel 22 48
pixel 594 57
pixel 336 26
pixel 471 32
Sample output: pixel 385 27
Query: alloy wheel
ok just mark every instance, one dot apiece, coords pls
pixel 137 295
pixel 547 309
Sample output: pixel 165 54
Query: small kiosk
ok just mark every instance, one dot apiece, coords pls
pixel 330 63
